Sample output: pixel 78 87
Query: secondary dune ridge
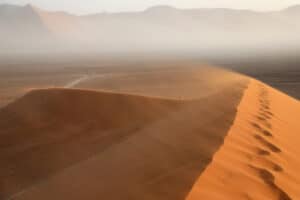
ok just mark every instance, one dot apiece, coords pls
pixel 50 129
pixel 78 144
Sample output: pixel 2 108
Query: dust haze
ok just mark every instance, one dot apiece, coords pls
pixel 158 29
pixel 162 104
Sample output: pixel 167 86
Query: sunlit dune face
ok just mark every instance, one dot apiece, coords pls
pixel 257 160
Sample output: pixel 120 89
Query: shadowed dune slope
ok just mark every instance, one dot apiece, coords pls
pixel 260 155
pixel 79 144
pixel 47 130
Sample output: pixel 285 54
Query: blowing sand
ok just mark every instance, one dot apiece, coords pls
pixel 238 141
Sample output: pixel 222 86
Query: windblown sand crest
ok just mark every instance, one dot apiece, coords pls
pixel 259 158
pixel 81 144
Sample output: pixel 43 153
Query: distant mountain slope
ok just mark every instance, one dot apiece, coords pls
pixel 292 10
pixel 18 21
pixel 59 23
pixel 159 27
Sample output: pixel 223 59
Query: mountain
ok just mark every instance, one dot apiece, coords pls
pixel 21 21
pixel 293 9
pixel 157 28
pixel 58 22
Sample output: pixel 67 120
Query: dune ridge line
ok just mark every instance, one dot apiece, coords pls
pixel 259 157
pixel 89 134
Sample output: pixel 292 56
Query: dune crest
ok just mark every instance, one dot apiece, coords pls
pixel 78 144
pixel 259 158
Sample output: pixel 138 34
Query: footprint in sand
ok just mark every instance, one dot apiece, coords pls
pixel 269 179
pixel 262 130
pixel 266 176
pixel 262 152
pixel 267 133
pixel 261 118
pixel 277 168
pixel 266 107
pixel 257 126
pixel 266 112
pixel 264 121
pixel 267 144
pixel 264 116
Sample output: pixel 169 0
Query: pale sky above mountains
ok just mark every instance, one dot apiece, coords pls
pixel 92 6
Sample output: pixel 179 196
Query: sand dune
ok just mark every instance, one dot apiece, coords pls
pixel 237 142
pixel 259 159
pixel 48 130
pixel 106 142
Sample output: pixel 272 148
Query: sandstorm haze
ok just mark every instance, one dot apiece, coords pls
pixel 149 100
pixel 33 30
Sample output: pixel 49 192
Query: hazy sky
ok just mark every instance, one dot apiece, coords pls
pixel 90 6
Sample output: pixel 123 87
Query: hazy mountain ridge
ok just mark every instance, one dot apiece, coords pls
pixel 293 9
pixel 21 20
pixel 158 27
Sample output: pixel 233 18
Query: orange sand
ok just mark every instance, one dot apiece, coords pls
pixel 80 144
pixel 260 156
pixel 230 143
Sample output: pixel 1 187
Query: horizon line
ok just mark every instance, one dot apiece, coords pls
pixel 145 9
